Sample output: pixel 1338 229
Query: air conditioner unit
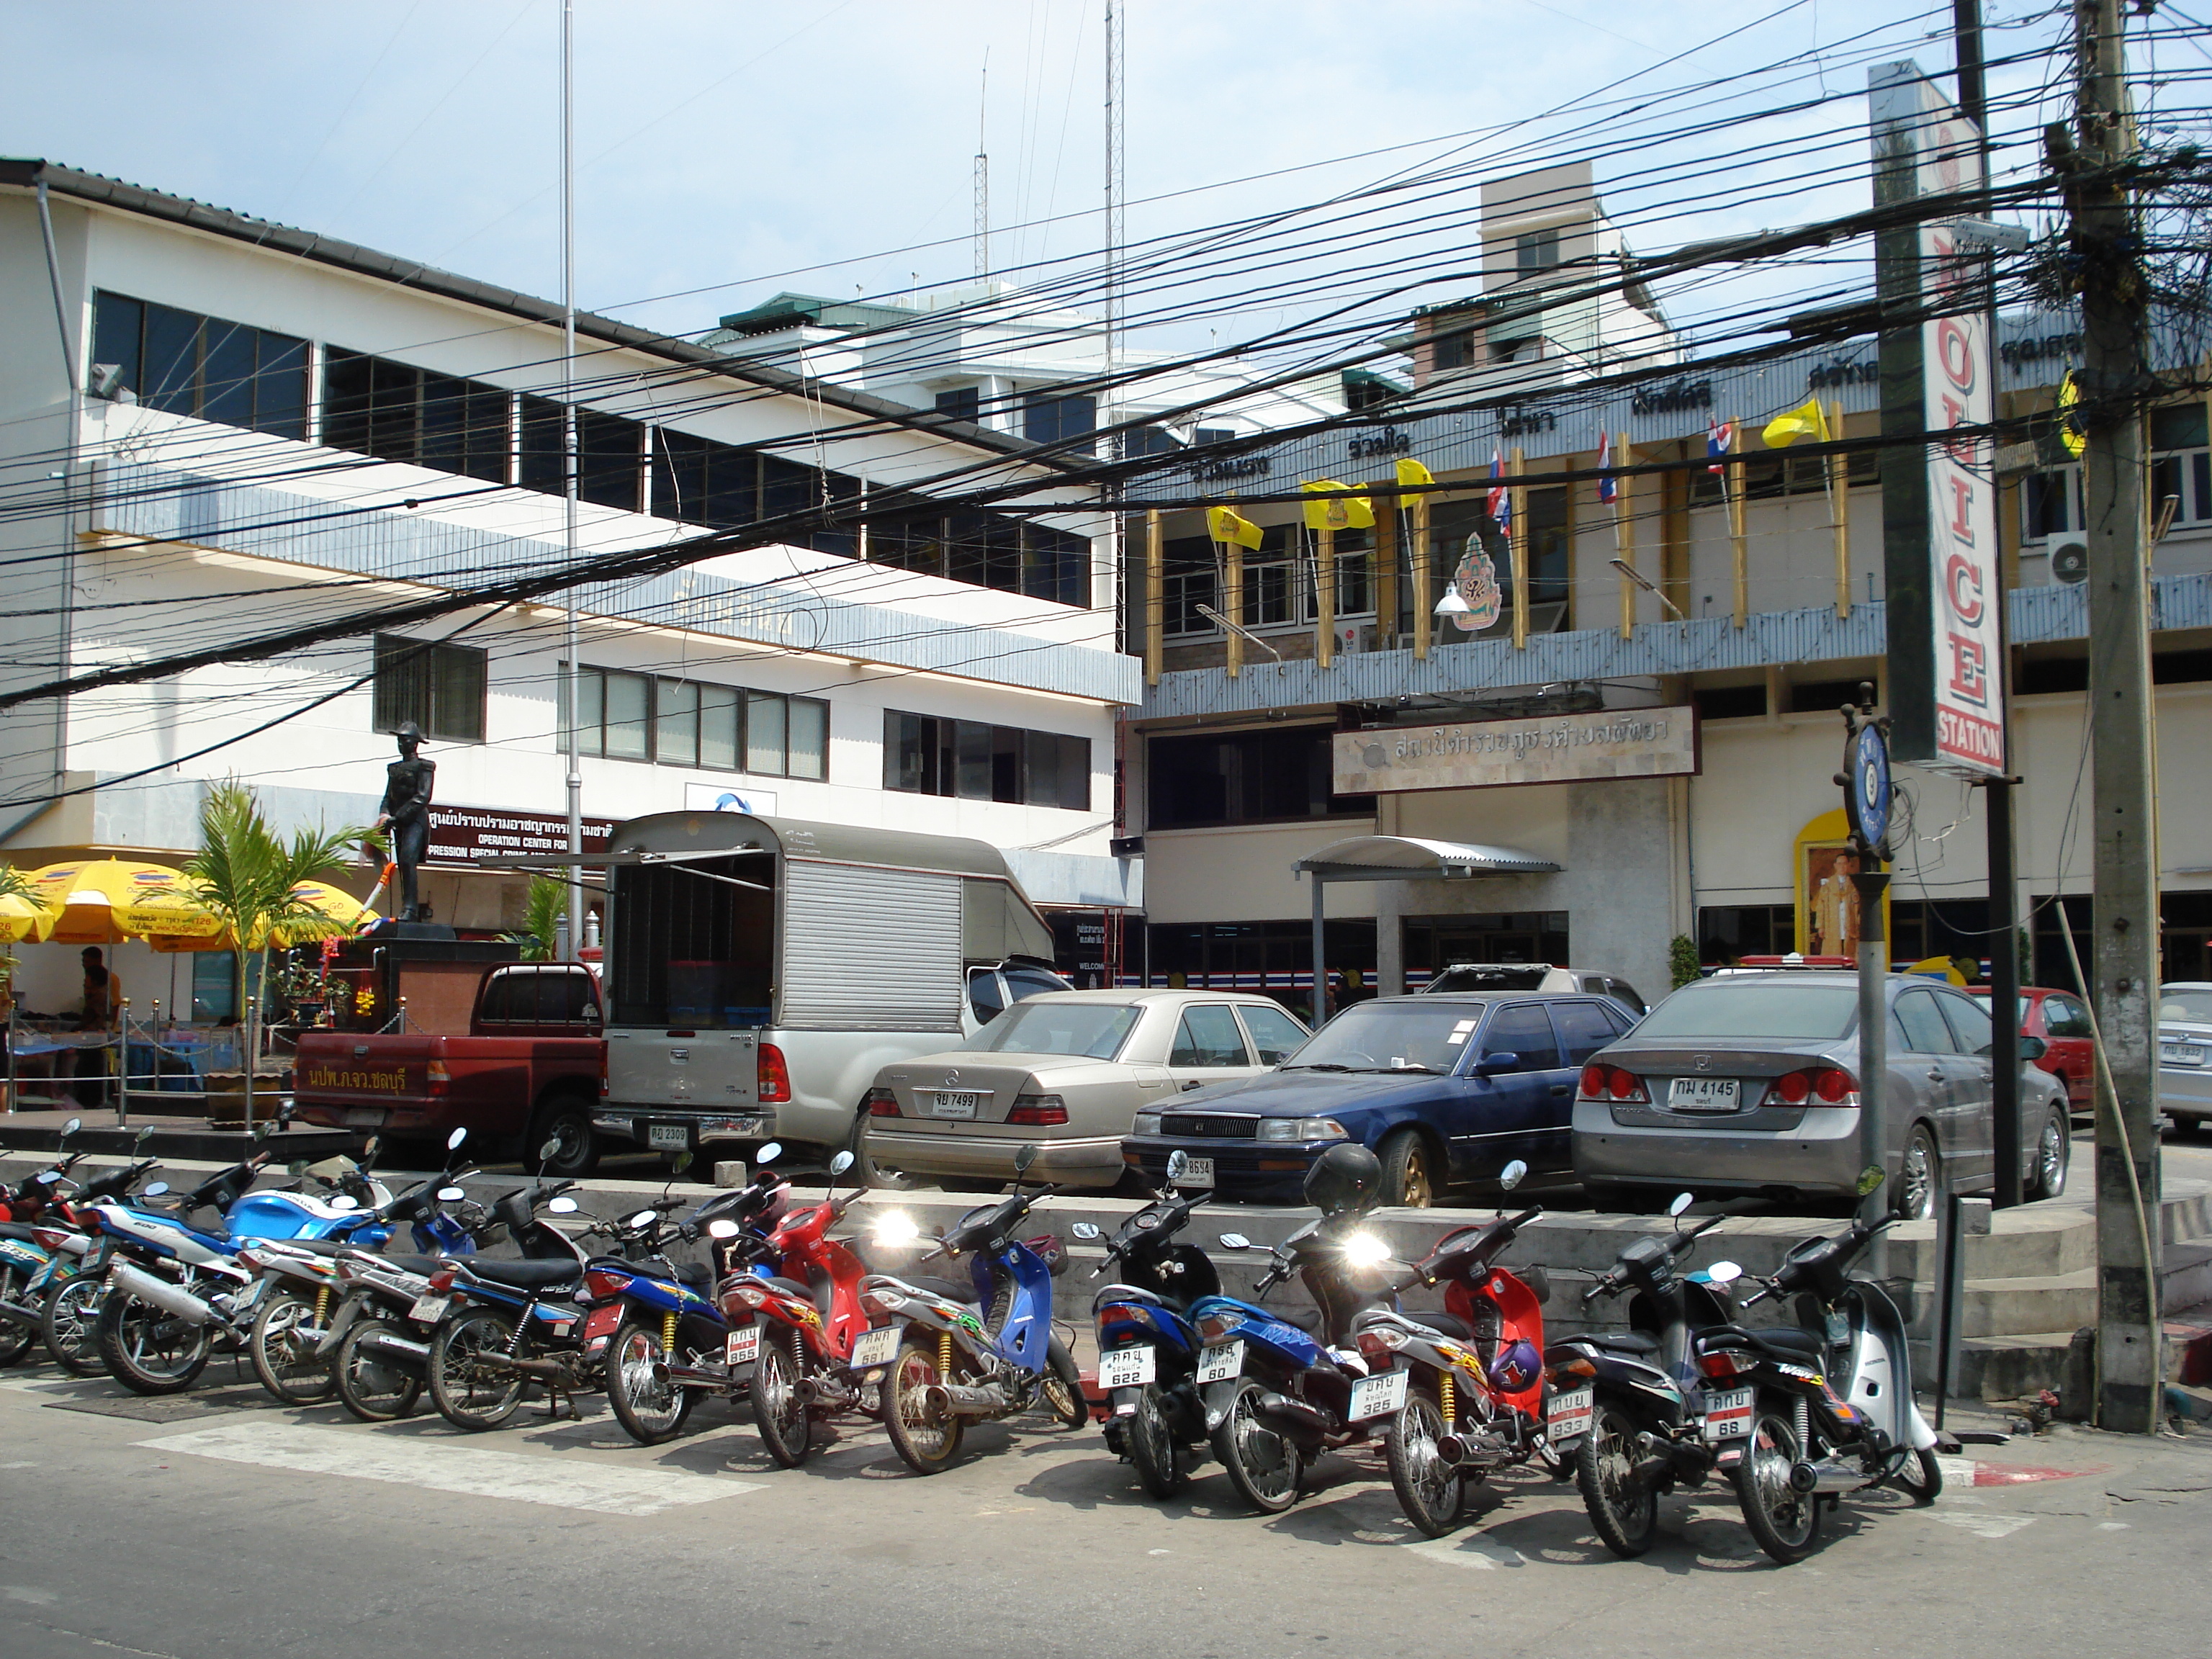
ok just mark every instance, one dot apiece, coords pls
pixel 1352 637
pixel 2069 561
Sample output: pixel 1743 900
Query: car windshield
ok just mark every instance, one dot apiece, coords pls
pixel 2192 1003
pixel 1093 1030
pixel 1768 1010
pixel 1390 1036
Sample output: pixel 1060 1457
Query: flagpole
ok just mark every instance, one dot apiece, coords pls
pixel 1155 600
pixel 1624 540
pixel 1233 594
pixel 1325 596
pixel 1516 542
pixel 1839 513
pixel 1732 493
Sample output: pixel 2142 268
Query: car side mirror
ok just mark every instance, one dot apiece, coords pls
pixel 1087 1231
pixel 2033 1048
pixel 1498 1064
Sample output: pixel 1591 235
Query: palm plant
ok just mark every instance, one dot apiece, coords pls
pixel 542 912
pixel 247 874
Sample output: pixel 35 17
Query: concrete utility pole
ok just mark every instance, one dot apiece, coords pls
pixel 2113 379
pixel 572 747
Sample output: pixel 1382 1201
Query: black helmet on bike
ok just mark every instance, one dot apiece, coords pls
pixel 1345 1178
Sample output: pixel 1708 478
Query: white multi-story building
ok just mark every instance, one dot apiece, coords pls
pixel 214 429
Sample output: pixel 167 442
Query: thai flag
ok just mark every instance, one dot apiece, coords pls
pixel 1607 490
pixel 1501 497
pixel 1719 439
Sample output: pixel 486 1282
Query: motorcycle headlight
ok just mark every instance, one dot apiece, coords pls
pixel 896 1227
pixel 1146 1124
pixel 1365 1250
pixel 1303 1128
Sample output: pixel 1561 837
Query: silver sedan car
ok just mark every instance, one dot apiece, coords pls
pixel 1066 1071
pixel 1750 1084
pixel 2185 1054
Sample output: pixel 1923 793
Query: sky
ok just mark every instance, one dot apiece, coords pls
pixel 726 151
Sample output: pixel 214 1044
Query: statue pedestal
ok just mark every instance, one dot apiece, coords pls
pixel 385 930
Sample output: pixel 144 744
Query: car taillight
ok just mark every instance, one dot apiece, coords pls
pixel 605 1286
pixel 1825 1085
pixel 603 1084
pixel 1593 1083
pixel 880 1103
pixel 1611 1082
pixel 1038 1109
pixel 774 1077
pixel 438 1078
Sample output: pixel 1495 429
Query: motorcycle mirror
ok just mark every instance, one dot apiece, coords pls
pixel 72 1126
pixel 155 1189
pixel 1178 1166
pixel 145 1133
pixel 721 1227
pixel 263 1129
pixel 550 1150
pixel 345 1201
pixel 452 1141
pixel 1723 1273
pixel 1870 1180
pixel 769 1153
pixel 1512 1175
pixel 451 1194
pixel 679 1163
pixel 1086 1229
pixel 1022 1159
pixel 840 1164
pixel 1682 1201
pixel 368 1147
pixel 562 1205
pixel 643 1218
pixel 298 1166
pixel 1235 1242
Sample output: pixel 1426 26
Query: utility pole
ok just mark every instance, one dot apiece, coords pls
pixel 1109 413
pixel 573 747
pixel 2113 379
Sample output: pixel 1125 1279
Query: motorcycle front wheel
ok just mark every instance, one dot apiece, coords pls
pixel 1783 1520
pixel 1061 1391
pixel 149 1350
pixel 1429 1489
pixel 779 1413
pixel 649 1410
pixel 1262 1462
pixel 471 1384
pixel 925 1440
pixel 284 1355
pixel 372 1386
pixel 69 1323
pixel 1918 1476
pixel 1153 1448
pixel 16 1339
pixel 1624 1513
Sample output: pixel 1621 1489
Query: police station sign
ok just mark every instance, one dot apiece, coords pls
pixel 1613 743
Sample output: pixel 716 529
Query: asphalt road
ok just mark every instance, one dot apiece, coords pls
pixel 219 1524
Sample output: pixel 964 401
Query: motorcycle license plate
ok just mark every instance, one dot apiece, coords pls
pixel 742 1347
pixel 1128 1368
pixel 1221 1361
pixel 603 1320
pixel 1377 1397
pixel 1569 1416
pixel 429 1310
pixel 878 1347
pixel 1727 1416
pixel 670 1137
pixel 955 1105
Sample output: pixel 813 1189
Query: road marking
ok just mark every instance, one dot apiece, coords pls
pixel 442 1465
pixel 1980 1523
pixel 39 1598
pixel 1471 1551
pixel 1977 1472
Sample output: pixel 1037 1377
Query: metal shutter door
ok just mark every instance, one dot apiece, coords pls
pixel 867 949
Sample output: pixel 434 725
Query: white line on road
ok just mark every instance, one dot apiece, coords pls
pixel 1469 1551
pixel 441 1466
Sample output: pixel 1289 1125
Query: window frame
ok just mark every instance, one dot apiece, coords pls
pixel 973 760
pixel 660 718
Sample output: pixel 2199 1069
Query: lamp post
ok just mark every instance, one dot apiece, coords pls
pixel 1867 798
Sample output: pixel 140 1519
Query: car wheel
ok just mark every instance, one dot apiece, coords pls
pixel 863 1167
pixel 2047 1178
pixel 1410 1176
pixel 564 1122
pixel 1919 1176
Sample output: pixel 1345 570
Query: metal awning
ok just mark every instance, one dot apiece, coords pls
pixel 1410 857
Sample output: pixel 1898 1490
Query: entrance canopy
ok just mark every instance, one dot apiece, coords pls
pixel 1402 857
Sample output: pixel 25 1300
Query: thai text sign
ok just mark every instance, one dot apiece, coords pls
pixel 1612 743
pixel 459 834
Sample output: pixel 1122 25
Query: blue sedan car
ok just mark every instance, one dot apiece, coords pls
pixel 1445 1088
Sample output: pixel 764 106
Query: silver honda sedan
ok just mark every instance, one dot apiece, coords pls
pixel 2185 1054
pixel 1750 1084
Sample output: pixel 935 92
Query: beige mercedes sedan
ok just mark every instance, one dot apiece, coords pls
pixel 1066 1071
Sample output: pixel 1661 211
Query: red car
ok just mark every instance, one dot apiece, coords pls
pixel 2062 1020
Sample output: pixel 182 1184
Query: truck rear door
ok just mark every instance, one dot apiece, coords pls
pixel 353 1082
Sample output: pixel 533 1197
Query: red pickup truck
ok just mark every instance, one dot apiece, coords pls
pixel 527 1071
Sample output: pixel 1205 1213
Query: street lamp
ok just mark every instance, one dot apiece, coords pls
pixel 1451 604
pixel 1647 584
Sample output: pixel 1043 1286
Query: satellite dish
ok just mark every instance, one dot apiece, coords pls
pixel 2069 562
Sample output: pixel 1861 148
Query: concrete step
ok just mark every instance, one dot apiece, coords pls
pixel 2017 1367
pixel 2018 1308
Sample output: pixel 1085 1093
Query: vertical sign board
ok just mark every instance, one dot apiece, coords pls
pixel 1939 534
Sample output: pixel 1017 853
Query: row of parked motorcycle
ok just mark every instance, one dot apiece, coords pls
pixel 116 1273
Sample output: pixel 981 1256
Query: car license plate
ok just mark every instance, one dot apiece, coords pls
pixel 1221 1361
pixel 674 1137
pixel 362 1117
pixel 2179 1054
pixel 743 1346
pixel 878 1347
pixel 1196 1171
pixel 429 1310
pixel 954 1105
pixel 1727 1416
pixel 1128 1368
pixel 1569 1416
pixel 1377 1397
pixel 1704 1094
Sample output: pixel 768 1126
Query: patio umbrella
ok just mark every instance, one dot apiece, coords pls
pixel 341 911
pixel 21 919
pixel 107 901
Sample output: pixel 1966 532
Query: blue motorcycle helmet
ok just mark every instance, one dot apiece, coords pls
pixel 1517 1365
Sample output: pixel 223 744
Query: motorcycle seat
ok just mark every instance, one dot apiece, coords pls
pixel 1639 1342
pixel 17 1230
pixel 320 1245
pixel 417 1264
pixel 1782 1341
pixel 518 1275
pixel 944 1288
pixel 1445 1324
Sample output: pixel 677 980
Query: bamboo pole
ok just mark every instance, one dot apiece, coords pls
pixel 1233 604
pixel 1422 619
pixel 1155 600
pixel 1839 511
pixel 1325 598
pixel 1382 571
pixel 1624 536
pixel 1739 538
pixel 1518 550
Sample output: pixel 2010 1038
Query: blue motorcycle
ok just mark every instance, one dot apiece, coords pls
pixel 953 1361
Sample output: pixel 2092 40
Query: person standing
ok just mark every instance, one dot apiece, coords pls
pixel 103 992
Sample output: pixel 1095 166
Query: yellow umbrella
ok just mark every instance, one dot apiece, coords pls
pixel 20 918
pixel 107 901
pixel 342 910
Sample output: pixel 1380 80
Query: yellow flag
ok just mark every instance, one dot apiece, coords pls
pixel 1340 510
pixel 1808 419
pixel 1227 524
pixel 2069 417
pixel 1412 472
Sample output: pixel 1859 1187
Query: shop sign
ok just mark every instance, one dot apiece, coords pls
pixel 719 797
pixel 461 834
pixel 1604 744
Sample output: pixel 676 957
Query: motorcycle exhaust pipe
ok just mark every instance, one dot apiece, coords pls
pixel 1292 1413
pixel 963 1399
pixel 390 1344
pixel 1815 1480
pixel 1467 1450
pixel 16 1313
pixel 690 1375
pixel 161 1294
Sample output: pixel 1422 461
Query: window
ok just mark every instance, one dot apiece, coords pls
pixel 1213 435
pixel 1353 550
pixel 1453 351
pixel 1584 1028
pixel 698 481
pixel 610 454
pixel 1525 1029
pixel 1771 1010
pixel 1970 1023
pixel 1275 1036
pixel 2062 1017
pixel 1764 474
pixel 989 551
pixel 1246 777
pixel 1270 584
pixel 187 364
pixel 1049 418
pixel 1187 581
pixel 697 723
pixel 215 985
pixel 1730 702
pixel 1095 1030
pixel 1537 251
pixel 2180 465
pixel 1151 441
pixel 2051 503
pixel 439 687
pixel 963 402
pixel 930 755
pixel 984 995
pixel 1920 1023
pixel 1210 1036
pixel 397 412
